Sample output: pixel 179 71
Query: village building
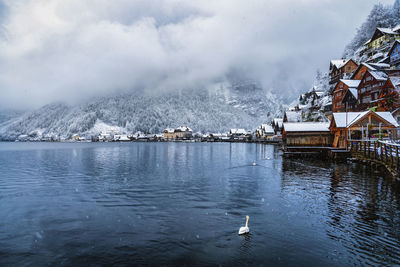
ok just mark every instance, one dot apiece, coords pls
pixel 105 137
pixel 389 99
pixel 265 131
pixel 350 100
pixel 277 124
pixel 237 132
pixel 121 138
pixel 315 134
pixel 364 67
pixel 75 137
pixel 310 97
pixel 341 69
pixel 364 125
pixel 370 87
pixel 169 134
pixel 394 55
pixel 396 116
pixel 340 91
pixel 182 132
pixel 381 41
pixel 293 116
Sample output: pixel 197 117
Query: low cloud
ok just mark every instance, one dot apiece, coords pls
pixel 68 50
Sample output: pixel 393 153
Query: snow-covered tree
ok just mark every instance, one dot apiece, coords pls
pixel 380 16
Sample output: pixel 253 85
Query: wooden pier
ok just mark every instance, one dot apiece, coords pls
pixel 374 152
pixel 377 152
pixel 308 151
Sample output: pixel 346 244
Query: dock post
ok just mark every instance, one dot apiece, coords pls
pixel 369 149
pixel 386 155
pixel 391 154
pixel 365 148
pixel 397 158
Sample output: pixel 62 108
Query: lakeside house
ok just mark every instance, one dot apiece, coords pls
pixel 381 41
pixel 293 116
pixel 237 132
pixel 240 135
pixel 307 134
pixel 341 69
pixel 265 131
pixel 340 90
pixel 277 124
pixel 361 126
pixel 350 101
pixel 121 138
pixel 394 55
pixel 389 99
pixel 370 87
pixel 182 132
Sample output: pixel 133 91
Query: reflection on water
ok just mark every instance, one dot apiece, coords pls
pixel 182 204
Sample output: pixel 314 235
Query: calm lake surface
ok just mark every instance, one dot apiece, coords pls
pixel 183 204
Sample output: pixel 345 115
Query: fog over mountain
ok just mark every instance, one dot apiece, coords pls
pixel 82 67
pixel 73 50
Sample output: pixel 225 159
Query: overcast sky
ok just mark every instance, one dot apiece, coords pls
pixel 54 50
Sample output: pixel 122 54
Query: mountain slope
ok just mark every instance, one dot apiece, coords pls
pixel 216 109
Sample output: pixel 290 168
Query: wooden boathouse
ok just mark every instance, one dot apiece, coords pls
pixel 364 125
pixel 307 134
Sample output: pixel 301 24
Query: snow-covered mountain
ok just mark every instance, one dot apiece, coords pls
pixel 218 108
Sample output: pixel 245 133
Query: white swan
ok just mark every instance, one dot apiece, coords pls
pixel 254 163
pixel 245 229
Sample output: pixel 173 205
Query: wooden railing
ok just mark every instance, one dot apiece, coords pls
pixel 384 152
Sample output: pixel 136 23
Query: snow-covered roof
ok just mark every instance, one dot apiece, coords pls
pixel 395 81
pixel 278 122
pixel 338 63
pixel 352 117
pixel 351 83
pixel 379 75
pixel 238 131
pixel 387 30
pixel 183 129
pixel 341 118
pixel 169 130
pixel 382 62
pixel 387 116
pixel 396 28
pixel 267 128
pixel 306 127
pixel 380 65
pixel 369 66
pixel 354 92
pixel 293 116
pixel 378 55
pixel 124 138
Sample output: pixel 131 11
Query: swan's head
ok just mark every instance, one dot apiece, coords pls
pixel 247 217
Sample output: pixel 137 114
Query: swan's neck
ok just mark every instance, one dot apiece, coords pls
pixel 247 221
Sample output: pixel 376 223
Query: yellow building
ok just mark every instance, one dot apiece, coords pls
pixel 381 37
pixel 169 133
pixel 178 133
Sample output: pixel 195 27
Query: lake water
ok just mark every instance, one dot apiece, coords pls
pixel 183 204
